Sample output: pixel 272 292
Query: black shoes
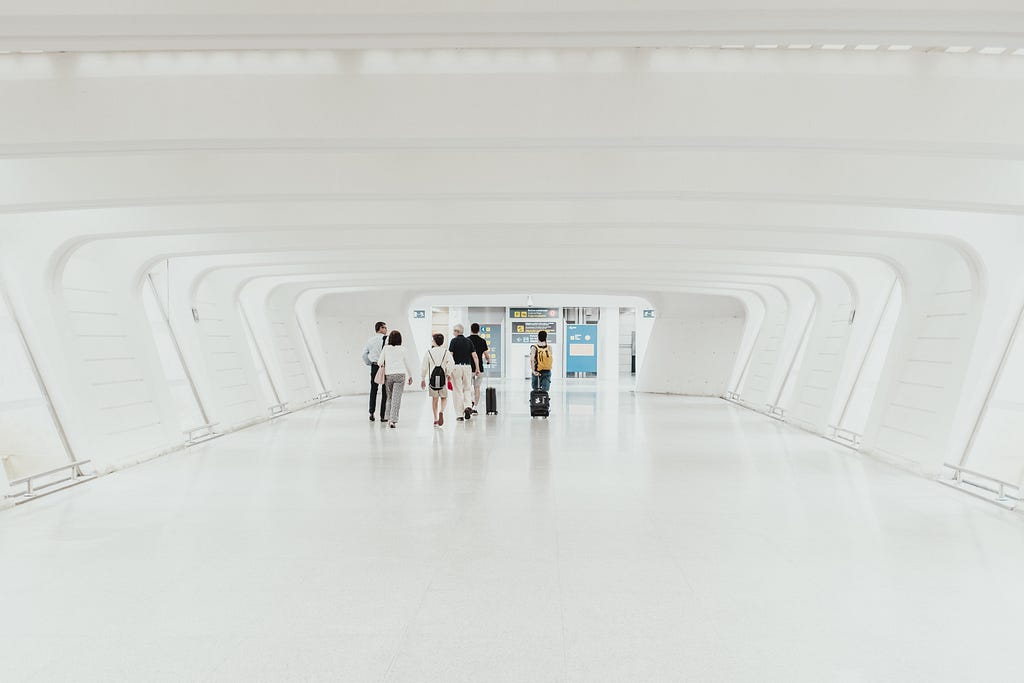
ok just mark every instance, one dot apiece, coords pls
pixel 371 417
pixel 469 413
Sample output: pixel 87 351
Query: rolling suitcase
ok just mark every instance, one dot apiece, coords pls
pixel 492 401
pixel 540 403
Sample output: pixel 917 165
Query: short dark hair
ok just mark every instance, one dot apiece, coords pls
pixel 438 338
pixel 542 335
pixel 376 328
pixel 475 328
pixel 395 338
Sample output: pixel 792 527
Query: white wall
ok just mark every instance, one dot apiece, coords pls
pixel 28 438
pixel 345 322
pixel 694 345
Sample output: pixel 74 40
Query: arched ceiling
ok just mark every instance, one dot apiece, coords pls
pixel 599 165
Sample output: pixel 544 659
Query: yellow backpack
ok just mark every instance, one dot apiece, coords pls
pixel 543 357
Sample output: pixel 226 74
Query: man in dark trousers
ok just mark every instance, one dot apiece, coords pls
pixel 466 364
pixel 371 354
pixel 482 354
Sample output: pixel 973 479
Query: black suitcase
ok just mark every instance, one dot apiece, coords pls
pixel 492 401
pixel 540 403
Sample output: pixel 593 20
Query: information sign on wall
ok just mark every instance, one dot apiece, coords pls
pixel 581 348
pixel 533 313
pixel 419 313
pixel 492 335
pixel 525 331
pixel 648 312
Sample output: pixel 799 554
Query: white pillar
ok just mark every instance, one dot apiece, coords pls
pixel 608 345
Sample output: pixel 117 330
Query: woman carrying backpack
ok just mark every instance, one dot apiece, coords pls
pixel 394 365
pixel 437 367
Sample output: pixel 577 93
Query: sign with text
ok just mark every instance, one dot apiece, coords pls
pixel 492 335
pixel 533 313
pixel 648 312
pixel 419 313
pixel 581 348
pixel 525 331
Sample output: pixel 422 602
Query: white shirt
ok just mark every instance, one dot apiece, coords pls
pixel 435 356
pixel 394 361
pixel 371 352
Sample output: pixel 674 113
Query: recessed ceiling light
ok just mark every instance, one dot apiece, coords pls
pixel 733 47
pixel 833 46
pixel 1019 51
pixel 766 47
pixel 958 49
pixel 899 48
pixel 866 47
pixel 800 46
pixel 992 50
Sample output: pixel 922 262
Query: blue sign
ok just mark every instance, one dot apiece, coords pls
pixel 492 335
pixel 648 312
pixel 581 348
pixel 419 313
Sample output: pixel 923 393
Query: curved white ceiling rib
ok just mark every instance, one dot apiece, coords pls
pixel 335 260
pixel 68 25
pixel 770 177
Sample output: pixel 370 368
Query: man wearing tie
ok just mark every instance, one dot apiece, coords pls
pixel 371 354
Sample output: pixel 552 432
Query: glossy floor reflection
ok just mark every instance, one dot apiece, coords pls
pixel 628 538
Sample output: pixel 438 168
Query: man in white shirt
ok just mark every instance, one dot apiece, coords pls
pixel 371 354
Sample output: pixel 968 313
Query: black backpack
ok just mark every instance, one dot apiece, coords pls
pixel 438 380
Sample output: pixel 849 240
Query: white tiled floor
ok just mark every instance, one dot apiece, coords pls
pixel 629 538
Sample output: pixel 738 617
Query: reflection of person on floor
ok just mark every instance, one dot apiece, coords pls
pixel 437 357
pixel 394 362
pixel 540 362
pixel 466 364
pixel 482 354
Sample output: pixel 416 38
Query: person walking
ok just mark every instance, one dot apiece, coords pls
pixel 466 363
pixel 541 361
pixel 482 354
pixel 438 365
pixel 371 356
pixel 396 373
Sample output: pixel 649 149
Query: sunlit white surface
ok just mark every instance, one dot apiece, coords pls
pixel 629 537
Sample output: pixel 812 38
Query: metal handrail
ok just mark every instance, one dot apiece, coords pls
pixel 1002 495
pixel 31 490
pixel 845 435
pixel 973 473
pixel 26 480
pixel 195 434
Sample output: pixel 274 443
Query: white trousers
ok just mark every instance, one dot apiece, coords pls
pixel 462 383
